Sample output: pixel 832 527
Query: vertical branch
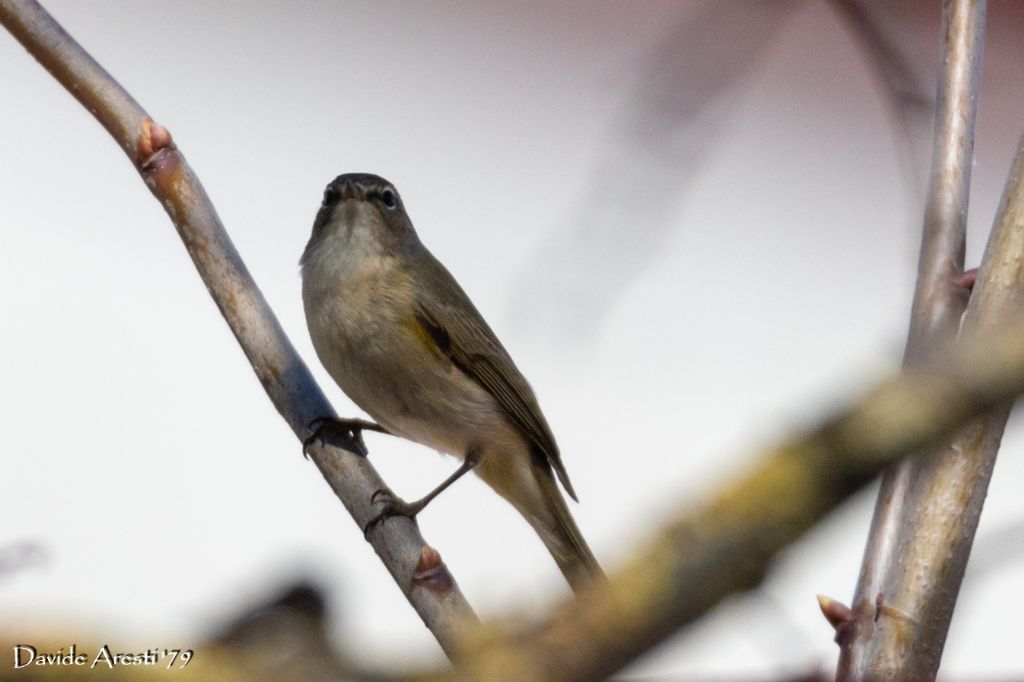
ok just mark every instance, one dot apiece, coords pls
pixel 416 567
pixel 938 304
pixel 890 603
pixel 946 492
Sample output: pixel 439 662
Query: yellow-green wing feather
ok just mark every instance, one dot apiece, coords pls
pixel 463 336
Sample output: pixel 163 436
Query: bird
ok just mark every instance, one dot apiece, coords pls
pixel 401 338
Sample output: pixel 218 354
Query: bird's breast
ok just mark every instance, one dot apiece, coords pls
pixel 364 329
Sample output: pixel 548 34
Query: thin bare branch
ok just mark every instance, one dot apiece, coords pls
pixel 416 567
pixel 727 545
pixel 938 305
pixel 908 504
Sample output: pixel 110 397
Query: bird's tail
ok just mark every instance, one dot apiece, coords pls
pixel 558 530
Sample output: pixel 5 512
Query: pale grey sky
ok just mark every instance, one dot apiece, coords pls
pixel 141 452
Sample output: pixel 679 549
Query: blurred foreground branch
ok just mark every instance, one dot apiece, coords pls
pixel 928 507
pixel 416 567
pixel 727 544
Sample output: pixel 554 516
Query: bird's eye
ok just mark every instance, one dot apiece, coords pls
pixel 389 199
pixel 330 196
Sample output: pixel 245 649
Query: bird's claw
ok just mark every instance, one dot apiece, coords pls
pixel 350 429
pixel 393 506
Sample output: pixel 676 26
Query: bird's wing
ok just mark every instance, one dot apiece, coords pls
pixel 464 337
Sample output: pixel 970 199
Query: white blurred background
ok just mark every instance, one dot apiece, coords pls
pixel 693 224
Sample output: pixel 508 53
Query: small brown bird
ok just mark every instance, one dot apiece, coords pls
pixel 401 338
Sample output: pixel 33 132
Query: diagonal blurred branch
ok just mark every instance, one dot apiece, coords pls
pixel 922 529
pixel 727 545
pixel 910 106
pixel 415 567
pixel 662 138
pixel 889 62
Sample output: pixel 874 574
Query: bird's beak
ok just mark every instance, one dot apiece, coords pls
pixel 350 190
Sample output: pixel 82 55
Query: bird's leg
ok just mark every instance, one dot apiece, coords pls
pixel 394 506
pixel 350 431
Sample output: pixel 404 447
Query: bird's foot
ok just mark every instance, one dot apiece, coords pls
pixel 349 430
pixel 393 506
